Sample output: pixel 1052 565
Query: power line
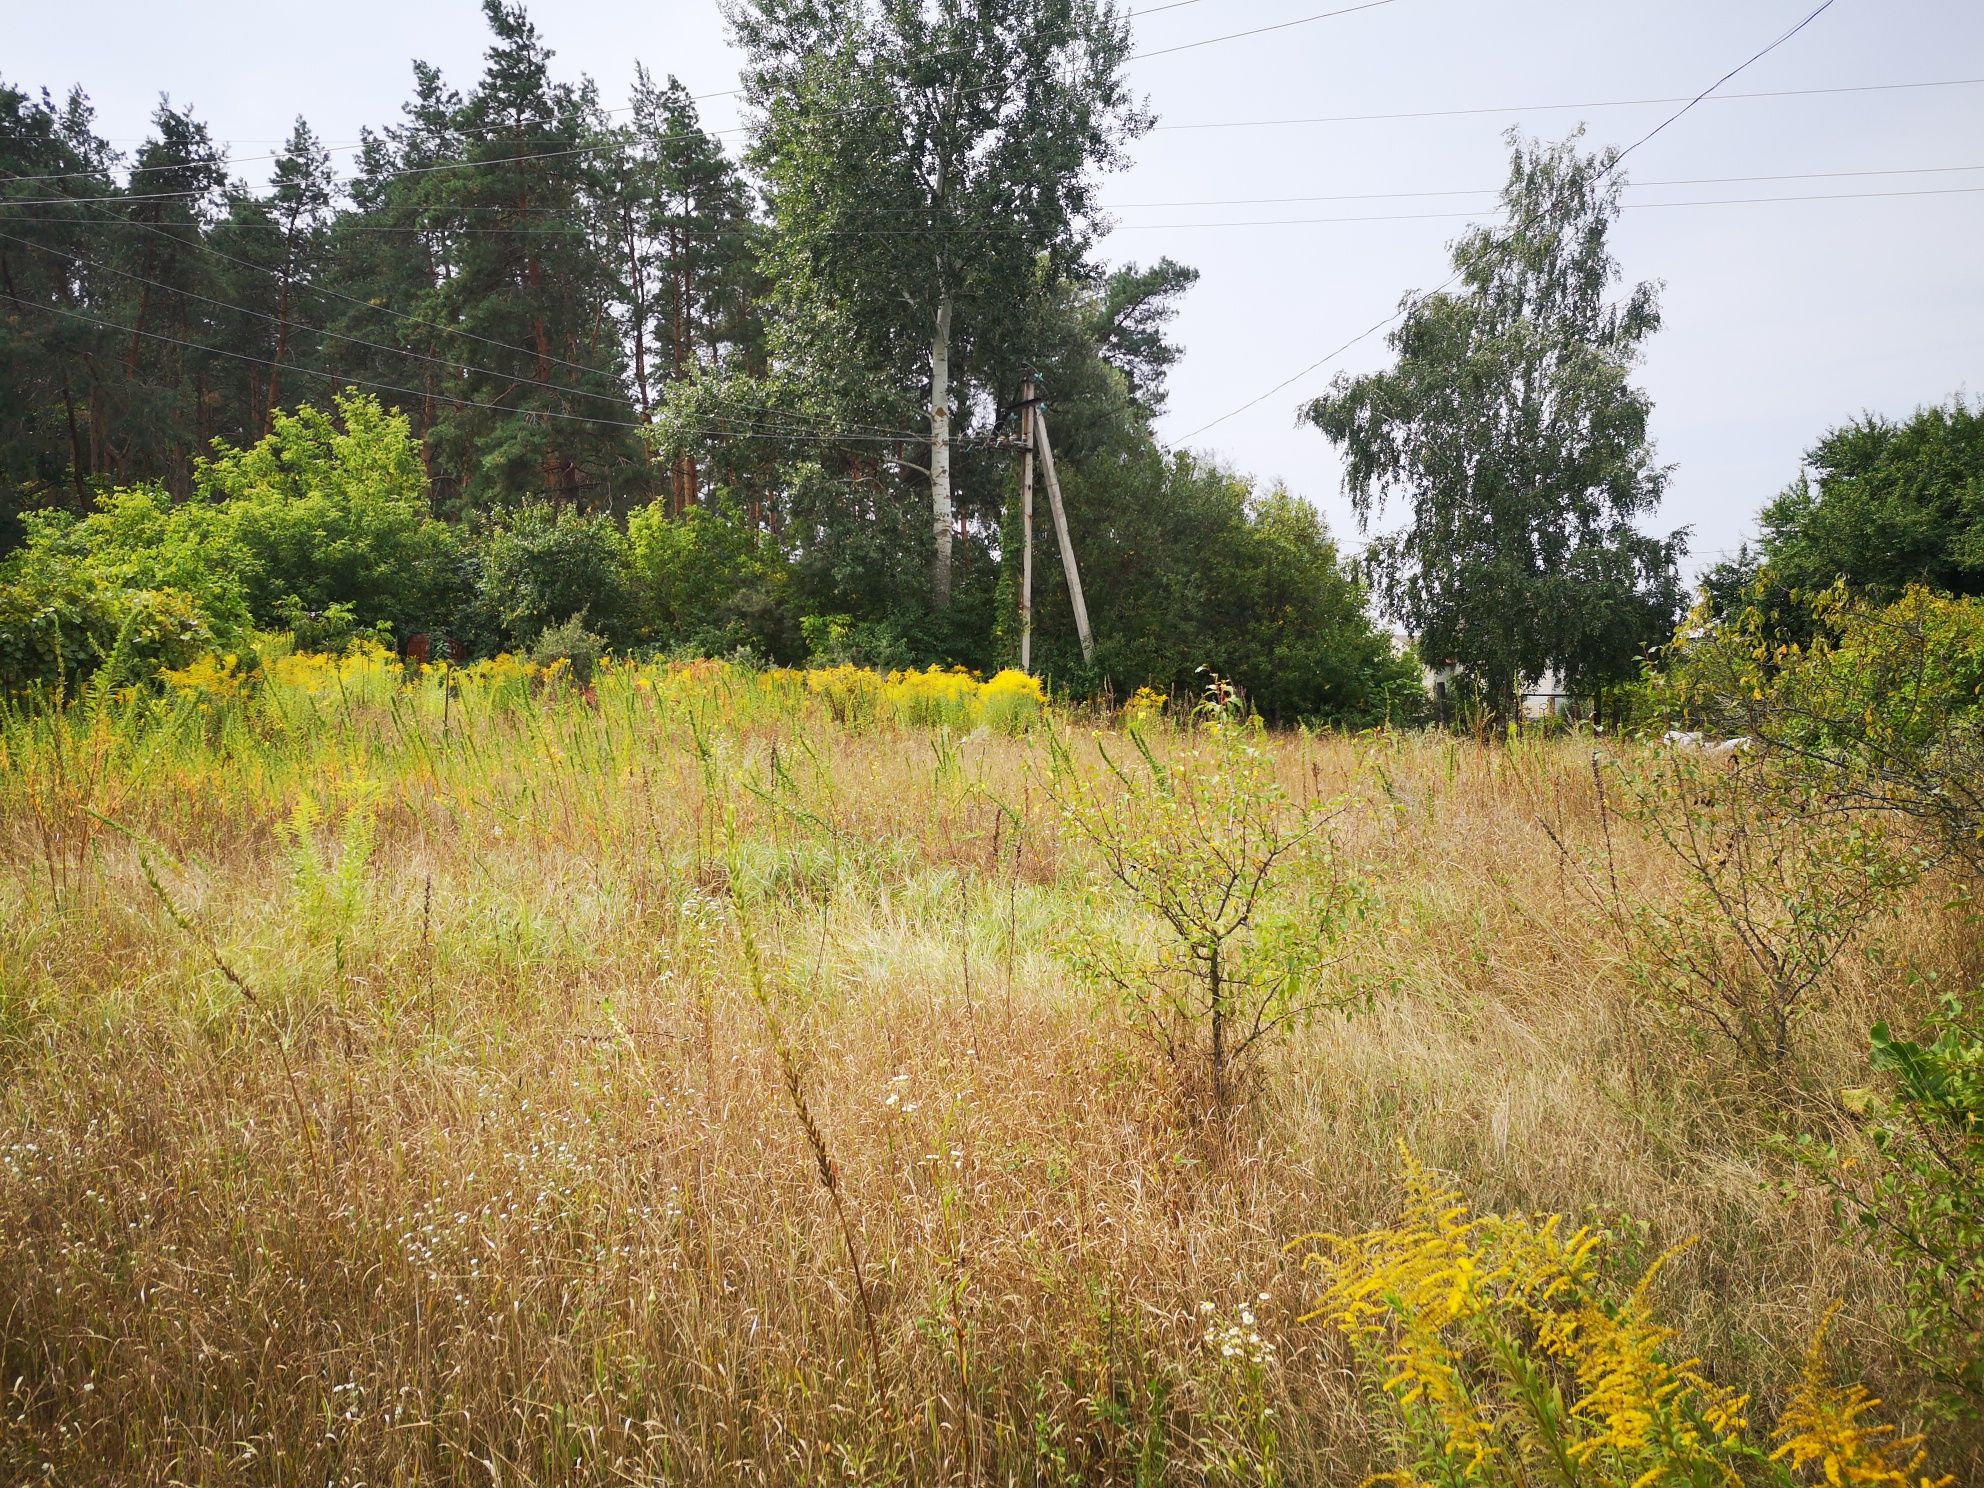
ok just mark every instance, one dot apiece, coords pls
pixel 396 314
pixel 1531 108
pixel 700 132
pixel 1267 201
pixel 1411 301
pixel 451 231
pixel 1452 113
pixel 192 294
pixel 1724 201
pixel 1191 46
pixel 732 426
pixel 347 223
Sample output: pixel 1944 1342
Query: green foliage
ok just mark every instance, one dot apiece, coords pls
pixel 1886 505
pixel 61 625
pixel 1510 427
pixel 708 582
pixel 330 509
pixel 140 580
pixel 1244 888
pixel 879 112
pixel 1886 701
pixel 1780 880
pixel 331 892
pixel 541 566
pixel 328 631
pixel 318 528
pixel 1196 569
pixel 571 643
pixel 1923 1202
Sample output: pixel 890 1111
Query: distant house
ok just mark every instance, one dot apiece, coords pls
pixel 1545 697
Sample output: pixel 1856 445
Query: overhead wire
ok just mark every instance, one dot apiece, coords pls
pixel 1410 301
pixel 726 425
pixel 1454 113
pixel 447 231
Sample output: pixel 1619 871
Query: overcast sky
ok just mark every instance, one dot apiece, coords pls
pixel 1782 318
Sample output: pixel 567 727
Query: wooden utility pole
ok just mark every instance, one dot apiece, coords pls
pixel 1061 531
pixel 1026 525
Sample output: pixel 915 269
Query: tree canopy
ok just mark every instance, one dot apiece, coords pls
pixel 1510 428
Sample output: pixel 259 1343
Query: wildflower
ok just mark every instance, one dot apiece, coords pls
pixel 1822 1428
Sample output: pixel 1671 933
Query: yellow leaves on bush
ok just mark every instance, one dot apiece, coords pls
pixel 1509 1363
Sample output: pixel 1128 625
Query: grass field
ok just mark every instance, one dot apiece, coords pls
pixel 691 1081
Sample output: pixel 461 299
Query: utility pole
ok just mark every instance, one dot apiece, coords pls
pixel 1026 524
pixel 1061 531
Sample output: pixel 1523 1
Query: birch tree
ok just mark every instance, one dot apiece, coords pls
pixel 1510 428
pixel 931 168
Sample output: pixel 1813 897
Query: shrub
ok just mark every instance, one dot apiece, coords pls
pixel 61 620
pixel 573 646
pixel 1885 701
pixel 1922 1200
pixel 329 510
pixel 1510 1360
pixel 1778 883
pixel 1243 881
pixel 707 582
pixel 328 630
pixel 540 567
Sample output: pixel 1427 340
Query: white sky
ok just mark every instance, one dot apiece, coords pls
pixel 1782 318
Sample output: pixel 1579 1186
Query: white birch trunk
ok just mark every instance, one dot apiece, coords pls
pixel 940 456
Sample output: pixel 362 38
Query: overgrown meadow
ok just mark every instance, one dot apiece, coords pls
pixel 707 1075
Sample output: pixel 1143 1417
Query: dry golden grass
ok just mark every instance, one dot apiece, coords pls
pixel 537 1208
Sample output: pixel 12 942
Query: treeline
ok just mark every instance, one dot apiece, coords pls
pixel 520 273
pixel 766 402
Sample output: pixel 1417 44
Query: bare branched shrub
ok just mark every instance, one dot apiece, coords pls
pixel 1241 884
pixel 1781 878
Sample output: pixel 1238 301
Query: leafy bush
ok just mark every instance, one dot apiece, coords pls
pixel 1511 1360
pixel 332 629
pixel 1778 883
pixel 707 582
pixel 1886 702
pixel 569 647
pixel 1244 885
pixel 66 610
pixel 331 510
pixel 1923 1201
pixel 540 567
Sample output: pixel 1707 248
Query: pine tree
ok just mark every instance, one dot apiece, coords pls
pixel 685 233
pixel 47 355
pixel 387 260
pixel 532 279
pixel 269 248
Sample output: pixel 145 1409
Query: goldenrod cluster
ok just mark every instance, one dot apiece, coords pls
pixel 1511 1365
pixel 1010 701
pixel 1821 1433
pixel 1145 704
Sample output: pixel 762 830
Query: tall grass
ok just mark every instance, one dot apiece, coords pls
pixel 426 1125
